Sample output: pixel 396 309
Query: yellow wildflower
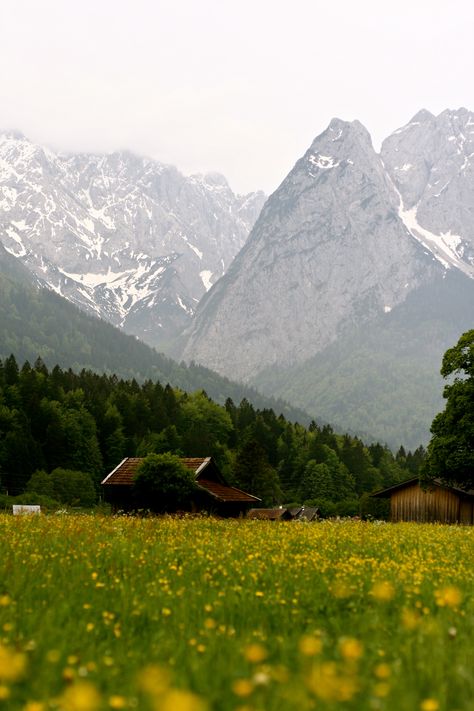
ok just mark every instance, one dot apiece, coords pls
pixel 449 596
pixel 178 700
pixel 82 696
pixel 12 664
pixel 154 680
pixel 429 705
pixel 382 689
pixel 351 648
pixel 383 591
pixel 255 653
pixel 327 683
pixel 410 619
pixel 309 646
pixel 382 671
pixel 242 687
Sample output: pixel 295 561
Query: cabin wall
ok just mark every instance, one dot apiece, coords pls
pixel 466 512
pixel 416 504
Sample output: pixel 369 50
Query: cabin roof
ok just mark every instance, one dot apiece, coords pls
pixel 124 473
pixel 269 514
pixel 226 493
pixel 309 513
pixel 213 483
pixel 386 493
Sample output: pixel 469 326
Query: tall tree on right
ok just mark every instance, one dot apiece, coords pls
pixel 451 449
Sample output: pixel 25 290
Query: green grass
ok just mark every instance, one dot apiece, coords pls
pixel 174 615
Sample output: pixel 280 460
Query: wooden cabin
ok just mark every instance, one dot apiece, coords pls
pixel 277 514
pixel 300 513
pixel 433 502
pixel 213 494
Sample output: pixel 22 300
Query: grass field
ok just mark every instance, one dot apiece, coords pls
pixel 187 615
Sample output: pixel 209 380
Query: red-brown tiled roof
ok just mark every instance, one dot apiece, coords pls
pixel 226 493
pixel 124 473
pixel 269 514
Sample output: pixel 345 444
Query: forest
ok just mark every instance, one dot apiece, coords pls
pixel 61 432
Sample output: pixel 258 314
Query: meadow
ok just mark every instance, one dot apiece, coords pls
pixel 164 614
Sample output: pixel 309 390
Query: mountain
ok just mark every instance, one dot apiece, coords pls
pixel 341 273
pixel 431 164
pixel 123 237
pixel 36 322
pixel 381 379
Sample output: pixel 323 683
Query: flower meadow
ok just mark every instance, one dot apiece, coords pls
pixel 195 614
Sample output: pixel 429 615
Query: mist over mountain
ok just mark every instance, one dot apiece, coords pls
pixel 352 249
pixel 125 238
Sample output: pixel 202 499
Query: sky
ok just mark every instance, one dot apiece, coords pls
pixel 241 88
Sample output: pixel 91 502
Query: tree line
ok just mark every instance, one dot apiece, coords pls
pixel 62 431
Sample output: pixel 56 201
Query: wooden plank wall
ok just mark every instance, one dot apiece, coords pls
pixel 416 504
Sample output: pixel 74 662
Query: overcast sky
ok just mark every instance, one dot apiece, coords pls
pixel 239 87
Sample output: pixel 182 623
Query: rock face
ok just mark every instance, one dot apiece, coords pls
pixel 126 238
pixel 329 250
pixel 431 163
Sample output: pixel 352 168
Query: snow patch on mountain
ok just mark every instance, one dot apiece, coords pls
pixel 443 246
pixel 323 162
pixel 206 277
pixel 120 235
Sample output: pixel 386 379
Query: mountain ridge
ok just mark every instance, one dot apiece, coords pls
pixel 36 322
pixel 341 243
pixel 122 236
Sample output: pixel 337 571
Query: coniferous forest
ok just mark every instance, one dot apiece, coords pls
pixel 61 432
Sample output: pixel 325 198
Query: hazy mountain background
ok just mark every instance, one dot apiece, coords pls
pixel 36 322
pixel 126 238
pixel 355 278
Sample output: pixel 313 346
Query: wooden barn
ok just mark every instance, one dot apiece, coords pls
pixel 213 494
pixel 300 513
pixel 433 502
pixel 277 514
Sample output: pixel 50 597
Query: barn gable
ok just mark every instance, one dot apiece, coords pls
pixel 431 502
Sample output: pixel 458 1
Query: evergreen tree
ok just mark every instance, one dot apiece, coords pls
pixel 253 473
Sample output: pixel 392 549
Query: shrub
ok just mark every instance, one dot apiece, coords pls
pixel 163 483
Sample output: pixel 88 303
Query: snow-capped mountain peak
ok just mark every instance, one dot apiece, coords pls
pixel 431 164
pixel 125 237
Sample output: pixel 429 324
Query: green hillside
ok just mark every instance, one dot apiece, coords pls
pixel 382 380
pixel 36 322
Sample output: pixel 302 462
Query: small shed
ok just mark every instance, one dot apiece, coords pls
pixel 430 502
pixel 308 513
pixel 277 514
pixel 213 494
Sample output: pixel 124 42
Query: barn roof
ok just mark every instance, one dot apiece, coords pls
pixel 278 514
pixel 226 493
pixel 124 473
pixel 386 493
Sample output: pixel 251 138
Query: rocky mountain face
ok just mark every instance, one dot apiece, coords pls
pixel 338 249
pixel 126 238
pixel 431 164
